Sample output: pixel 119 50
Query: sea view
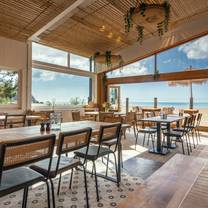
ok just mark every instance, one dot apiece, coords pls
pixel 177 105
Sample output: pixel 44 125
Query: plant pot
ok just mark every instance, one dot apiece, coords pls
pixel 153 16
pixel 101 59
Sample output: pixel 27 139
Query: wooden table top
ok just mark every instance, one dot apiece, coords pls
pixel 169 186
pixel 191 110
pixel 21 133
pixel 150 109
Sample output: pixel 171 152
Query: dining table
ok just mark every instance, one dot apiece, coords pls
pixel 22 133
pixel 29 118
pixel 95 114
pixel 172 118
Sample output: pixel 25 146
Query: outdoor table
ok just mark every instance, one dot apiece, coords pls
pixel 158 120
pixel 96 114
pixel 191 111
pixel 22 133
pixel 29 118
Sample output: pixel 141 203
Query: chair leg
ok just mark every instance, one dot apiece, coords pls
pixel 199 135
pixel 144 139
pixel 96 182
pixel 48 194
pixel 148 138
pixel 183 147
pixel 153 142
pixel 187 145
pixel 106 173
pixel 189 141
pixel 71 178
pixel 53 195
pixel 134 130
pixel 59 184
pixel 25 194
pixel 86 189
pixel 192 134
pixel 116 168
pixel 196 135
pixel 137 135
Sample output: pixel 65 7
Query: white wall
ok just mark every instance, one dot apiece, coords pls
pixel 13 55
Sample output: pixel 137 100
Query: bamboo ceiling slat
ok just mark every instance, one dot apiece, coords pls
pixel 80 32
pixel 28 16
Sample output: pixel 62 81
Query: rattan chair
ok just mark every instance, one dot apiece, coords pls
pixel 14 120
pixel 68 142
pixel 14 156
pixel 106 133
pixel 76 116
pixel 104 116
pixel 131 120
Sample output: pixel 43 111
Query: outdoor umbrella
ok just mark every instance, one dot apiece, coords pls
pixel 188 83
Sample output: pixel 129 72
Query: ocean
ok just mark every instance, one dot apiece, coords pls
pixel 177 105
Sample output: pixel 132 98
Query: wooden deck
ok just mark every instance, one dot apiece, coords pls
pixel 180 182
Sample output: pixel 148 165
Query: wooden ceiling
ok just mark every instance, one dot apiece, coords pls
pixel 19 19
pixel 82 33
pixel 99 26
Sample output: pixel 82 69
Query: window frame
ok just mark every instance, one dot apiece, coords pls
pixel 17 105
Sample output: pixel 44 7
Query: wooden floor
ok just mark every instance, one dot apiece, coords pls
pixel 181 182
pixel 170 186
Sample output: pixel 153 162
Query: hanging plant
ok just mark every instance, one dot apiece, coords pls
pixel 144 14
pixel 107 58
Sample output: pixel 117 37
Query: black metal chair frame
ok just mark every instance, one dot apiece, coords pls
pixel 32 140
pixel 101 139
pixel 60 152
pixel 179 137
pixel 151 133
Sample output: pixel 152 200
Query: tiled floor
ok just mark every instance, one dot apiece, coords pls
pixel 110 194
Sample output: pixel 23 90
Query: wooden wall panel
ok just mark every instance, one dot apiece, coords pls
pixel 185 75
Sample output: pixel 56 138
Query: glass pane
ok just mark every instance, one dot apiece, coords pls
pixel 177 96
pixel 53 88
pixel 142 67
pixel 49 55
pixel 194 54
pixel 79 62
pixel 8 87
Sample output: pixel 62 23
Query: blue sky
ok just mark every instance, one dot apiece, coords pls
pixel 49 85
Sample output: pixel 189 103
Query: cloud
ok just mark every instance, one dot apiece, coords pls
pixel 49 55
pixel 197 49
pixel 43 75
pixel 79 62
pixel 137 68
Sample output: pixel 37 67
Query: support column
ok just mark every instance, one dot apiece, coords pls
pixel 101 90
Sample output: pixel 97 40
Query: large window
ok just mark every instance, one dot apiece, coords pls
pixel 79 62
pixel 49 55
pixel 9 87
pixel 55 88
pixel 177 96
pixel 194 54
pixel 143 67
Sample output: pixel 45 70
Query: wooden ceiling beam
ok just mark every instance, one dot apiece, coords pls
pixel 59 17
pixel 184 75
